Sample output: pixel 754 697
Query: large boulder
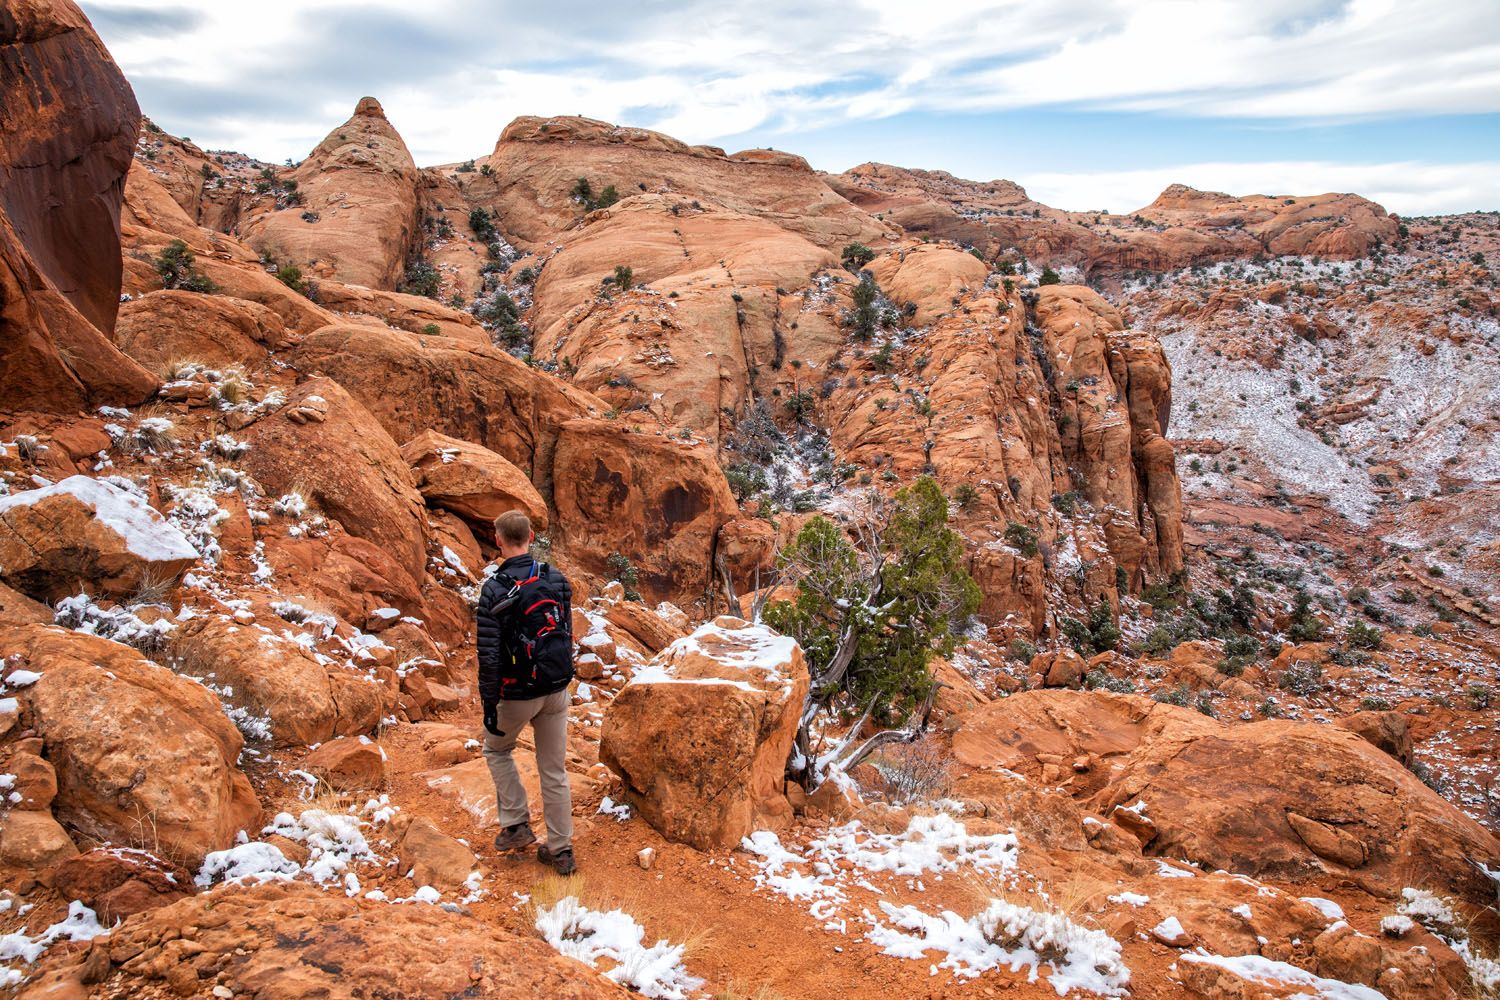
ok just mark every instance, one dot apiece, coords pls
pixel 656 501
pixel 471 481
pixel 216 330
pixel 87 534
pixel 305 701
pixel 469 391
pixel 360 185
pixel 701 734
pixel 324 443
pixel 144 757
pixel 294 941
pixel 1288 799
pixel 68 122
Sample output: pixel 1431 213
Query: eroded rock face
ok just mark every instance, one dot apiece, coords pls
pixel 471 481
pixel 717 318
pixel 84 534
pixel 143 757
pixel 293 941
pixel 344 462
pixel 1024 400
pixel 1274 797
pixel 68 125
pixel 701 735
pixel 657 502
pixel 362 184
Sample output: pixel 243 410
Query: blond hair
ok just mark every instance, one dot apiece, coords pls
pixel 513 528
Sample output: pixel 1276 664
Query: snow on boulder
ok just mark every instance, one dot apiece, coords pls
pixel 89 534
pixel 306 700
pixel 144 757
pixel 702 733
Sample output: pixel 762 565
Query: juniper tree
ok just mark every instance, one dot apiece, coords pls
pixel 871 613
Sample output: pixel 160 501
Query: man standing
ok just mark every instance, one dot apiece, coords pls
pixel 525 645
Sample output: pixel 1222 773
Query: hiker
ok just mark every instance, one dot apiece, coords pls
pixel 525 639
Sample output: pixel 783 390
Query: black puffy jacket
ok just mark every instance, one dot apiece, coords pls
pixel 495 634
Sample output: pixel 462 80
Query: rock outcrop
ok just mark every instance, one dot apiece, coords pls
pixel 85 534
pixel 169 326
pixel 702 733
pixel 1279 798
pixel 471 481
pixel 305 701
pixel 68 123
pixel 463 390
pixel 1181 228
pixel 143 757
pixel 537 162
pixel 285 941
pixel 343 461
pixel 354 217
pixel 657 502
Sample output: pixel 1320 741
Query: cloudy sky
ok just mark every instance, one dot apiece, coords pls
pixel 1090 104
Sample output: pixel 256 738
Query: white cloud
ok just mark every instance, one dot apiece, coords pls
pixel 451 73
pixel 1404 188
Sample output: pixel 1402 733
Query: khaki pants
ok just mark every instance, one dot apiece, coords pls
pixel 549 729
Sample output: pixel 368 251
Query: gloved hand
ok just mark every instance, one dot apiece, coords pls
pixel 491 718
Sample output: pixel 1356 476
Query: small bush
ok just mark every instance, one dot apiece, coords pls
pixel 1179 695
pixel 1098 634
pixel 1302 678
pixel 421 278
pixel 916 771
pixel 1362 636
pixel 1021 650
pixel 1100 679
pixel 621 568
pixel 432 329
pixel 1049 277
pixel 1021 538
pixel 290 275
pixel 856 256
pixel 1480 696
pixel 966 496
pixel 175 266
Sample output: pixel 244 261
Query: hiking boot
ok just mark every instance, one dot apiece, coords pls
pixel 513 838
pixel 562 862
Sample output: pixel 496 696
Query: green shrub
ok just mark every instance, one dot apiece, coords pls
pixel 1303 678
pixel 1098 634
pixel 483 225
pixel 1100 679
pixel 1021 538
pixel 1049 277
pixel 1362 636
pixel 856 256
pixel 421 278
pixel 966 496
pixel 864 316
pixel 622 569
pixel 1021 650
pixel 898 606
pixel 175 266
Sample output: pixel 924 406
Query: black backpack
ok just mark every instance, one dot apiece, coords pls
pixel 536 632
